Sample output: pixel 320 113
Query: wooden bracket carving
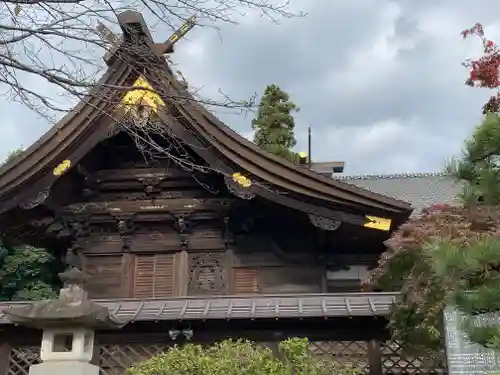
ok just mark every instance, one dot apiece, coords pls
pixel 58 228
pixel 79 228
pixel 227 233
pixel 151 185
pixel 126 228
pixel 324 223
pixel 43 222
pixel 36 200
pixel 72 259
pixel 183 226
pixel 237 190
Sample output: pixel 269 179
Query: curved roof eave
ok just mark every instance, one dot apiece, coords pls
pixel 70 138
pixel 80 130
pixel 273 169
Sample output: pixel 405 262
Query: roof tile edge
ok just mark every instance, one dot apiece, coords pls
pixel 389 176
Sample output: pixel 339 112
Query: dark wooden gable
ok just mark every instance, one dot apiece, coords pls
pixel 153 224
pixel 32 174
pixel 144 227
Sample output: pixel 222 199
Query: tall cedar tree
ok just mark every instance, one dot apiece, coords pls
pixel 446 253
pixel 274 124
pixel 27 272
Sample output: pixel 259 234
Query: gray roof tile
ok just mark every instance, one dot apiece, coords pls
pixel 244 307
pixel 420 189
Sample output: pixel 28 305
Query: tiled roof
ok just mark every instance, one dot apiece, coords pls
pixel 236 307
pixel 420 189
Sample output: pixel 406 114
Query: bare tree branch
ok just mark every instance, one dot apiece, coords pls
pixel 58 41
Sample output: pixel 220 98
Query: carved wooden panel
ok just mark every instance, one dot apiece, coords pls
pixel 156 241
pixel 154 276
pixel 102 244
pixel 105 275
pixel 206 239
pixel 207 273
pixel 246 280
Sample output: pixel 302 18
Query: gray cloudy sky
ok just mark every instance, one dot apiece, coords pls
pixel 379 81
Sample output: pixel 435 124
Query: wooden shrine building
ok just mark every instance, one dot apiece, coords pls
pixel 189 231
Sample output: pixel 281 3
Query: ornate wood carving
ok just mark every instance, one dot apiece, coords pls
pixel 172 206
pixel 182 227
pixel 58 228
pixel 125 227
pixel 207 274
pixel 79 228
pixel 228 238
pixel 235 189
pixel 43 222
pixel 152 185
pixel 324 223
pixel 72 259
pixel 36 200
pixel 137 175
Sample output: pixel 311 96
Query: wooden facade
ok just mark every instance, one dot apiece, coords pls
pixel 181 227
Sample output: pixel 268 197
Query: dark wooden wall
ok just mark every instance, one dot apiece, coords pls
pixel 156 233
pixel 146 229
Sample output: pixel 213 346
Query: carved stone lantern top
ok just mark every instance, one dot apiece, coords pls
pixel 71 309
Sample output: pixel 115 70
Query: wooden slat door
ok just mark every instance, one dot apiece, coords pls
pixel 104 275
pixel 246 280
pixel 154 276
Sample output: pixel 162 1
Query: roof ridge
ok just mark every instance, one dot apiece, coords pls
pixel 390 176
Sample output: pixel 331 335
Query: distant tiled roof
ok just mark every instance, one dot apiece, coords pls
pixel 252 307
pixel 420 189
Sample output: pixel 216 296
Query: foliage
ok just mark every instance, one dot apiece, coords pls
pixel 478 166
pixel 13 155
pixel 483 72
pixel 451 255
pixel 239 358
pixel 27 273
pixel 415 320
pixel 475 269
pixel 274 123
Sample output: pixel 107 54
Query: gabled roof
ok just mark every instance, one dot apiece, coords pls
pixel 422 190
pixel 227 151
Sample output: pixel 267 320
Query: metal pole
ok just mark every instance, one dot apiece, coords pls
pixel 309 147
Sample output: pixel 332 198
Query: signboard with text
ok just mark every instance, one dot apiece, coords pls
pixel 463 356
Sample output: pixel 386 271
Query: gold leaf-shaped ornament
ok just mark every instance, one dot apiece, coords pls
pixel 62 167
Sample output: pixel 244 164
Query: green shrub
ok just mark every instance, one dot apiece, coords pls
pixel 240 358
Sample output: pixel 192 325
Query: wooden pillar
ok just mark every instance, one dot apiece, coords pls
pixel 4 358
pixel 128 274
pixel 181 273
pixel 375 357
pixel 321 258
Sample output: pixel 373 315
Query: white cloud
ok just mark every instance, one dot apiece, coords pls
pixel 379 81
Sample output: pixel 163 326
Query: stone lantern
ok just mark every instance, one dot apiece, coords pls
pixel 68 325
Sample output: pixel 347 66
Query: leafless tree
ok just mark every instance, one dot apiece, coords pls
pixel 62 42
